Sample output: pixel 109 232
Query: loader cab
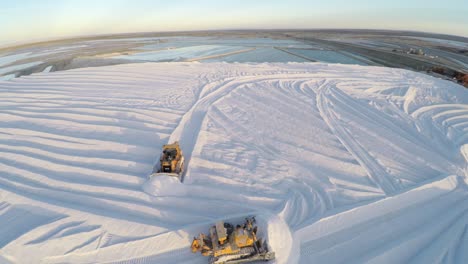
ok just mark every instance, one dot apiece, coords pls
pixel 171 159
pixel 170 154
pixel 167 157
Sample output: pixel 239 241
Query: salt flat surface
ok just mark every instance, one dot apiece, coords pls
pixel 259 55
pixel 453 43
pixel 182 41
pixel 340 163
pixel 326 56
pixel 183 54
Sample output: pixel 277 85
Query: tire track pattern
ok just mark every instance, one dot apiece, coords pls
pixel 329 93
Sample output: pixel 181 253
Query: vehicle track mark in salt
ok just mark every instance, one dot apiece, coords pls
pixel 91 240
pixel 375 171
pixel 19 219
pixel 447 118
pixel 438 211
pixel 55 231
pixel 189 126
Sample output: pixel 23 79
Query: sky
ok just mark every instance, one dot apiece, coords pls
pixel 23 21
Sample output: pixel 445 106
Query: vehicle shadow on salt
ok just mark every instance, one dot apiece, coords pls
pixel 182 255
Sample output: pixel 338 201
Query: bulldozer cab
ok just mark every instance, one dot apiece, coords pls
pixel 228 245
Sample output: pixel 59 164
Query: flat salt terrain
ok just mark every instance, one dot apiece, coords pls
pixel 185 53
pixel 259 55
pixel 326 56
pixel 340 163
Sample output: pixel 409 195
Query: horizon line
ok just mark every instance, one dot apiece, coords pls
pixel 91 36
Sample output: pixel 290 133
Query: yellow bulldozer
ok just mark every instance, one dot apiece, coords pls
pixel 227 244
pixel 171 161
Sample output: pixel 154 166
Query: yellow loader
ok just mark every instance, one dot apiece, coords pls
pixel 171 162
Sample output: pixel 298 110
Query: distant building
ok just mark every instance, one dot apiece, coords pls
pixel 416 52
